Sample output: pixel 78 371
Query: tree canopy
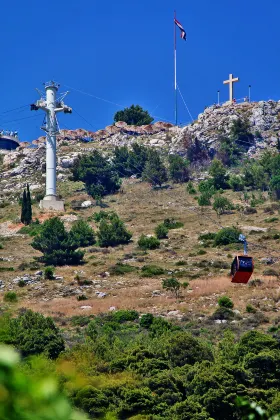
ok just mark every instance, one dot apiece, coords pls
pixel 134 115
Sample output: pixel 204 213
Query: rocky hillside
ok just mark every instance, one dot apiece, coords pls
pixel 27 163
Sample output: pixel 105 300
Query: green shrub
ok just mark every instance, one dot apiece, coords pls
pixel 1 246
pixel 236 183
pixel 98 174
pixel 113 232
pixel 120 269
pixel 103 215
pixel 81 234
pixel 49 273
pixel 190 188
pixel 250 309
pixel 21 283
pixel 154 172
pixel 172 224
pixel 225 302
pixel 228 235
pixel 56 244
pixel 218 173
pixel 31 333
pixel 134 115
pixel 223 313
pixel 146 320
pixel 7 269
pixel 124 316
pixel 178 169
pixel 32 229
pixel 209 236
pixel 271 219
pixel 184 349
pixel 29 396
pixel 81 297
pixel 204 199
pixel 161 231
pixel 151 271
pixel 221 205
pixel 148 242
pixel 173 285
pixel 10 297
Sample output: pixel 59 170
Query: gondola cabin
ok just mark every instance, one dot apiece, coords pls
pixel 242 268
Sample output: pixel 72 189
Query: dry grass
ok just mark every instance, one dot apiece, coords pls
pixel 143 209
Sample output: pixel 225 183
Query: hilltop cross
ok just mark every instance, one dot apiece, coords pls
pixel 230 83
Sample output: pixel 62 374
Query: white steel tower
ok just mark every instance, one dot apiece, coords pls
pixel 51 105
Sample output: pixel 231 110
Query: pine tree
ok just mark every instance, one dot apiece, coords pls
pixel 23 207
pixel 28 216
pixel 155 171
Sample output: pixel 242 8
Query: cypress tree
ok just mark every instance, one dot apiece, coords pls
pixel 23 207
pixel 28 217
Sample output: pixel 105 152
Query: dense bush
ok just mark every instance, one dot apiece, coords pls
pixel 56 244
pixel 173 285
pixel 134 115
pixel 204 199
pixel 228 235
pixel 221 204
pixel 130 162
pixel 178 169
pixel 10 297
pixel 31 333
pixel 98 174
pixel 190 188
pixel 172 224
pixel 121 269
pixel 161 231
pixel 29 397
pixel 225 302
pixel 218 173
pixel 154 172
pixel 82 234
pixel 49 273
pixel 152 270
pixel 148 242
pixel 113 232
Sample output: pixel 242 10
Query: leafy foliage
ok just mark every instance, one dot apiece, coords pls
pixel 82 234
pixel 161 231
pixel 97 173
pixel 57 245
pixel 221 204
pixel 228 235
pixel 49 273
pixel 218 173
pixel 130 162
pixel 173 285
pixel 148 242
pixel 134 115
pixel 154 172
pixel 31 333
pixel 178 169
pixel 112 232
pixel 172 224
pixel 29 398
pixel 225 302
pixel 10 297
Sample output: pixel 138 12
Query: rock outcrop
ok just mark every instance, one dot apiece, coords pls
pixel 27 163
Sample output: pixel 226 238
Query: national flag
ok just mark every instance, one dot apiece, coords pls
pixel 183 32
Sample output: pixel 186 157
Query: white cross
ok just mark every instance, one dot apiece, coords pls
pixel 230 83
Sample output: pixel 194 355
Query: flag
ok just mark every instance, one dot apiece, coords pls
pixel 183 32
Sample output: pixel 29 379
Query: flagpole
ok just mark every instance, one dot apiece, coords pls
pixel 175 68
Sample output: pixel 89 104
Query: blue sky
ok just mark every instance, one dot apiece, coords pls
pixel 123 52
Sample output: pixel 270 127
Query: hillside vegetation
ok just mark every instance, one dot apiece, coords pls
pixel 125 300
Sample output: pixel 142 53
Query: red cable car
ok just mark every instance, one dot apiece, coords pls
pixel 242 266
